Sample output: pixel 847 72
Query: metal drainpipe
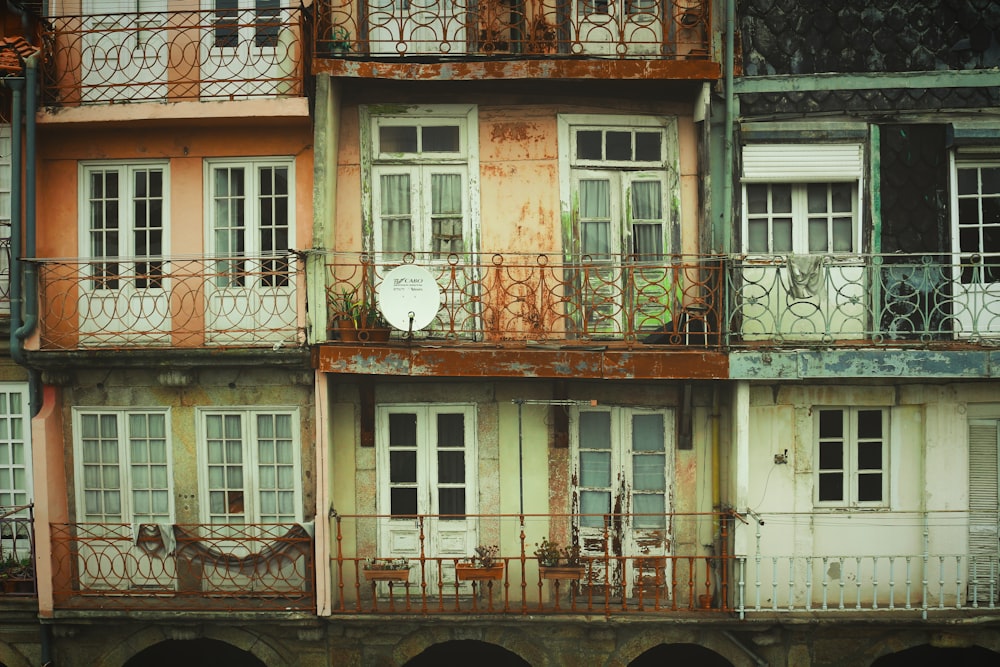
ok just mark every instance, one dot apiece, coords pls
pixel 16 220
pixel 27 296
pixel 727 143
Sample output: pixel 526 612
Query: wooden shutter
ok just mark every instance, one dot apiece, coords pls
pixel 984 508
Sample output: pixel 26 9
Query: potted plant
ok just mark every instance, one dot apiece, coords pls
pixel 555 562
pixel 17 575
pixel 484 565
pixel 387 569
pixel 357 318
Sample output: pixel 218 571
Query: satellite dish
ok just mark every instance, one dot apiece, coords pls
pixel 409 297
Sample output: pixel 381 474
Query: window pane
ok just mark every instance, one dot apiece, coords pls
pixel 595 199
pixel 831 424
pixel 650 510
pixel 841 197
pixel 440 139
pixel 451 430
pixel 402 430
pixel 831 487
pixel 595 430
pixel 647 146
pixel 588 145
pixel 757 232
pixel 648 472
pixel 595 469
pixel 647 433
pixel 619 145
pixel 756 198
pixel 781 198
pixel 403 467
pixel 403 502
pixel 843 235
pixel 816 197
pixel 646 201
pixel 818 236
pixel 594 503
pixel 831 456
pixel 870 487
pixel 451 467
pixel 397 139
pixel 596 239
pixel 782 235
pixel 870 456
pixel 451 501
pixel 968 181
pixel 869 423
pixel 991 180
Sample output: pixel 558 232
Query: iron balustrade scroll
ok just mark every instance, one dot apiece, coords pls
pixel 661 29
pixel 251 567
pixel 611 577
pixel 220 54
pixel 519 298
pixel 870 299
pixel 217 301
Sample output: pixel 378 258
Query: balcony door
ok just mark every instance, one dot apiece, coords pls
pixel 976 243
pixel 251 290
pixel 618 27
pixel 427 494
pixel 413 27
pixel 245 47
pixel 623 471
pixel 124 298
pixel 124 50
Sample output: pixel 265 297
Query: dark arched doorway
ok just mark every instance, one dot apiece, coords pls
pixel 193 653
pixel 972 656
pixel 680 654
pixel 458 651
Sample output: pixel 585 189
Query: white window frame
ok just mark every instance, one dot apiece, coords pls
pixel 250 464
pixel 376 162
pixel 624 172
pixel 15 475
pixel 801 165
pixel 252 228
pixel 969 162
pixel 127 486
pixel 850 466
pixel 127 227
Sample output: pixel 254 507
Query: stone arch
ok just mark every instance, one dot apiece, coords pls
pixel 252 642
pixel 521 644
pixel 928 654
pixel 898 643
pixel 463 651
pixel 11 657
pixel 631 648
pixel 680 653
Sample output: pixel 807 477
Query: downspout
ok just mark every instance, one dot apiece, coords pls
pixel 16 86
pixel 727 140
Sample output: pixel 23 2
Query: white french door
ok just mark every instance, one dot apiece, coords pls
pixel 621 219
pixel 406 27
pixel 426 470
pixel 623 473
pixel 125 298
pixel 613 27
pixel 976 248
pixel 245 45
pixel 125 50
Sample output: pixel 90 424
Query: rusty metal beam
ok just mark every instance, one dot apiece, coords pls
pixel 550 69
pixel 592 363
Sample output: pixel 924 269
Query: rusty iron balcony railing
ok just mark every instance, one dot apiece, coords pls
pixel 220 301
pixel 5 273
pixel 623 569
pixel 897 299
pixel 218 54
pixel 17 551
pixel 666 300
pixel 647 29
pixel 158 566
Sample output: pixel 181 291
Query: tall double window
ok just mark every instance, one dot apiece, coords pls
pixel 852 456
pixel 423 167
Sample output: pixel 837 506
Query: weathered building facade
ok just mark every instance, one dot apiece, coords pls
pixel 538 333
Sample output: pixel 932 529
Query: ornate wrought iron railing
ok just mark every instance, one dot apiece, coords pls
pixel 880 299
pixel 174 55
pixel 669 300
pixel 5 274
pixel 17 551
pixel 666 571
pixel 222 301
pixel 246 567
pixel 663 29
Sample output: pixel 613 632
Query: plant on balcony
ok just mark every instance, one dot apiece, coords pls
pixel 356 317
pixel 483 565
pixel 16 574
pixel 555 562
pixel 387 569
